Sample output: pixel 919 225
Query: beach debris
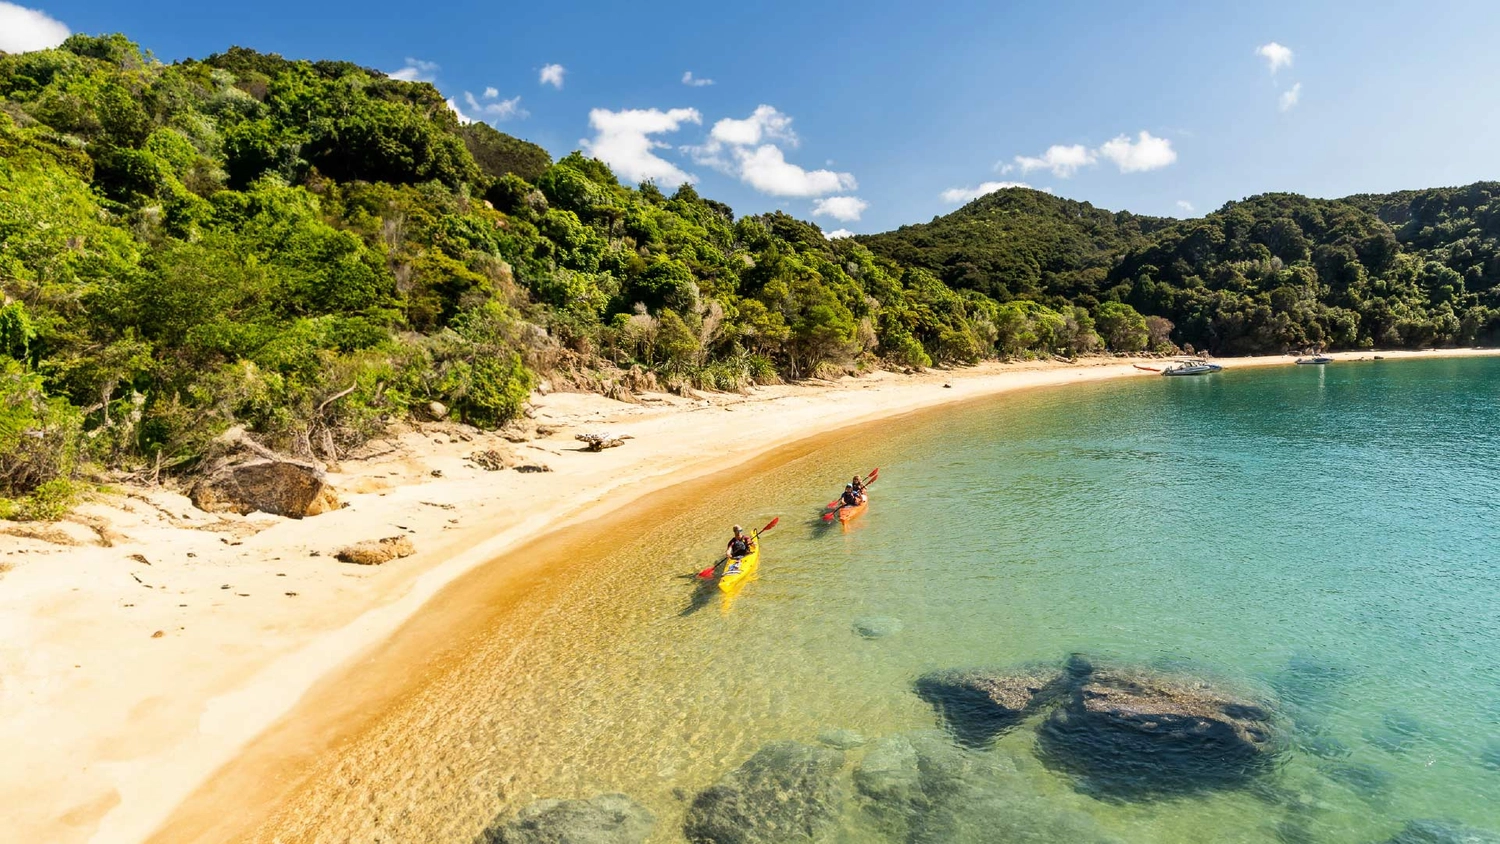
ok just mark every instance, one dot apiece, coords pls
pixel 1442 832
pixel 877 627
pixel 158 634
pixel 436 473
pixel 604 819
pixel 438 505
pixel 528 468
pixel 787 791
pixel 490 460
pixel 373 552
pixel 600 440
pixel 289 488
pixel 437 410
pixel 139 558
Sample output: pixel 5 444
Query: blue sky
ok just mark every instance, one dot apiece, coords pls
pixel 865 116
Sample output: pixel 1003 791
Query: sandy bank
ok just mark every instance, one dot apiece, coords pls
pixel 109 726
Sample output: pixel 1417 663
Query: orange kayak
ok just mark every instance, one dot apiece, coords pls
pixel 849 514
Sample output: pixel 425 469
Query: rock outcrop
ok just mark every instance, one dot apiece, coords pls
pixel 288 488
pixel 787 791
pixel 977 705
pixel 373 552
pixel 605 819
pixel 1128 733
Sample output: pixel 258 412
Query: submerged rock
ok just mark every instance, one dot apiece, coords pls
pixel 1442 832
pixel 977 705
pixel 921 788
pixel 605 819
pixel 1489 755
pixel 1367 781
pixel 841 739
pixel 877 627
pixel 1131 734
pixel 1398 732
pixel 787 791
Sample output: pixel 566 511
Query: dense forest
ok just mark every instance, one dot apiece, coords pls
pixel 313 249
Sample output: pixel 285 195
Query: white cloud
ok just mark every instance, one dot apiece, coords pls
pixel 694 82
pixel 623 141
pixel 766 169
pixel 1276 56
pixel 960 195
pixel 453 107
pixel 763 124
pixel 491 93
pixel 838 233
pixel 1147 152
pixel 1002 168
pixel 1062 160
pixel 23 30
pixel 741 148
pixel 1185 205
pixel 494 111
pixel 1290 96
pixel 416 70
pixel 843 208
pixel 552 75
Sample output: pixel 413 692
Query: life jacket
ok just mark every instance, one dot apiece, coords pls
pixel 851 498
pixel 739 546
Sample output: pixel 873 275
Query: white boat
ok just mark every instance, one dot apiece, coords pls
pixel 1191 366
pixel 1315 359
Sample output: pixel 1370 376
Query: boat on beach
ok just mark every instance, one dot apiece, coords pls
pixel 1191 366
pixel 1315 359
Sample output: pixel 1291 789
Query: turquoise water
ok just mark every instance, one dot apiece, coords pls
pixel 1258 527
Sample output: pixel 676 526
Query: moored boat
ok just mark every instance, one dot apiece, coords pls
pixel 1191 366
pixel 1315 359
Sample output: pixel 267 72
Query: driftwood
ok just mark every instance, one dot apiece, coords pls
pixel 602 440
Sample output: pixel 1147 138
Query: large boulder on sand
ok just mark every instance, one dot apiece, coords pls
pixel 605 819
pixel 787 791
pixel 1128 733
pixel 281 487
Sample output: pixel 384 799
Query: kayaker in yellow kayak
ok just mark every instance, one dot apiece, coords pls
pixel 739 548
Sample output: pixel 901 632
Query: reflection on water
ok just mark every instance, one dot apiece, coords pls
pixel 1317 543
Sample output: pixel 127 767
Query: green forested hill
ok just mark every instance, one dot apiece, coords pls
pixel 1018 242
pixel 312 249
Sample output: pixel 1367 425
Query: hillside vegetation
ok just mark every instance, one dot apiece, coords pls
pixel 312 249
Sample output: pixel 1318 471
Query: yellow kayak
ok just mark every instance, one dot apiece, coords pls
pixel 736 575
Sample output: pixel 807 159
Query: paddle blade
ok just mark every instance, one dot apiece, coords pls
pixel 774 522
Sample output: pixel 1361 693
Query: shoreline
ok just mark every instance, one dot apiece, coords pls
pixel 134 740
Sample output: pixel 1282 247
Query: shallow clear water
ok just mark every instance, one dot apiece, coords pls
pixel 1238 526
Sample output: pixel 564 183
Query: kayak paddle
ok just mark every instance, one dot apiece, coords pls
pixel 709 572
pixel 838 504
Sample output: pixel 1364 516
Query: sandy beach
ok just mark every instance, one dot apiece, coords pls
pixel 146 644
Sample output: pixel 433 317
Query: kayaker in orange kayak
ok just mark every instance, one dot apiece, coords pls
pixel 859 488
pixel 851 496
pixel 739 548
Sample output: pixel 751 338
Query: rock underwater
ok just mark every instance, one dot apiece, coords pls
pixel 787 791
pixel 604 819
